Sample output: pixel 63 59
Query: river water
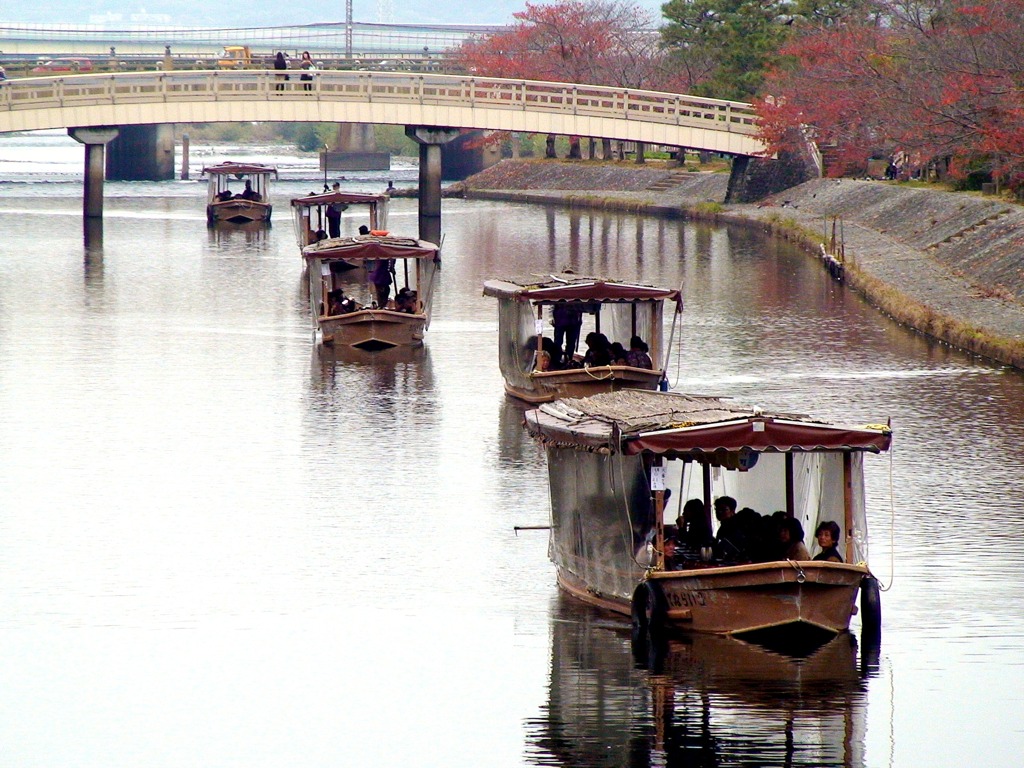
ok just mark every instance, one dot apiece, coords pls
pixel 223 546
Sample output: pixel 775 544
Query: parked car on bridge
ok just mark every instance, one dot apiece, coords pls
pixel 64 64
pixel 235 57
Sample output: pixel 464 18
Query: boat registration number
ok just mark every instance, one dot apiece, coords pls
pixel 685 599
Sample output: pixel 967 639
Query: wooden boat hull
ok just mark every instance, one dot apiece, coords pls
pixel 734 600
pixel 583 382
pixel 238 211
pixel 374 329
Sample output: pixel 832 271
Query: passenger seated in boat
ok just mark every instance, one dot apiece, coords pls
pixel 772 546
pixel 671 550
pixel 543 360
pixel 731 540
pixel 248 193
pixel 339 304
pixel 363 229
pixel 827 534
pixel 759 544
pixel 638 356
pixel 549 351
pixel 406 301
pixel 336 302
pixel 762 534
pixel 692 532
pixel 791 540
pixel 617 353
pixel 597 350
pixel 224 196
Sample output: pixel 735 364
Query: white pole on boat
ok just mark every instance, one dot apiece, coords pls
pixel 671 336
pixel 706 478
pixel 848 503
pixel 540 332
pixel 790 486
pixel 658 486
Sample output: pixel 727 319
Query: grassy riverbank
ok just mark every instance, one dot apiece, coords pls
pixel 950 265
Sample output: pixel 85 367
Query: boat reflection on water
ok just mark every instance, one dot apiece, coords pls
pixel 386 371
pixel 247 233
pixel 515 446
pixel 710 700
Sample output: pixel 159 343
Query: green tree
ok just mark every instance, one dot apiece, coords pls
pixel 392 138
pixel 309 137
pixel 734 41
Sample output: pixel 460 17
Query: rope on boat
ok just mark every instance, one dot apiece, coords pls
pixel 668 350
pixel 609 375
pixel 892 533
pixel 668 347
pixel 629 517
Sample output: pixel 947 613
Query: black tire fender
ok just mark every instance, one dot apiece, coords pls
pixel 649 609
pixel 870 610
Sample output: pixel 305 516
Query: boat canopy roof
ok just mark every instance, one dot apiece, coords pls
pixel 571 287
pixel 678 425
pixel 363 247
pixel 240 169
pixel 347 198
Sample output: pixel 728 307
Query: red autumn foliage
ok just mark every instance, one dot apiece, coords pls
pixel 943 88
pixel 596 42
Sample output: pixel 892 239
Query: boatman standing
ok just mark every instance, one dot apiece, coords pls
pixel 381 279
pixel 334 211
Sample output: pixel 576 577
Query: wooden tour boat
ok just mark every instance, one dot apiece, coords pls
pixel 349 312
pixel 618 310
pixel 312 213
pixel 251 201
pixel 612 460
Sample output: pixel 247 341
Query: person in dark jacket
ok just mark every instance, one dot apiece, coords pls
pixel 281 63
pixel 827 534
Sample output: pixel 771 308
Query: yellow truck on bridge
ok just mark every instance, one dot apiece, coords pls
pixel 235 57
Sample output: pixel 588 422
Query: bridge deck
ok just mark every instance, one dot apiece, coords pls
pixel 379 97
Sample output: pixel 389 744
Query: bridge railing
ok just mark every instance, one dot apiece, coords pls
pixel 355 86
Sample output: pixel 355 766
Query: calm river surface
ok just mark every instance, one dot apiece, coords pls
pixel 222 546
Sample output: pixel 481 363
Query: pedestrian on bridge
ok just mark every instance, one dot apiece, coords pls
pixel 280 62
pixel 308 67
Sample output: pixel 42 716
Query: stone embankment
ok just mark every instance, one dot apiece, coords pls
pixel 950 265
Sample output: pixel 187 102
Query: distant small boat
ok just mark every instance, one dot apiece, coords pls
pixel 312 213
pixel 250 200
pixel 613 457
pixel 351 312
pixel 619 310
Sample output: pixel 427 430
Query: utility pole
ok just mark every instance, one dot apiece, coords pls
pixel 348 29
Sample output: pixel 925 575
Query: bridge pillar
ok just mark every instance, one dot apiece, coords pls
pixel 468 154
pixel 95 140
pixel 754 178
pixel 355 149
pixel 142 153
pixel 430 139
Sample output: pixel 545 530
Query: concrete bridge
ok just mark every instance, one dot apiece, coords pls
pixel 433 107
